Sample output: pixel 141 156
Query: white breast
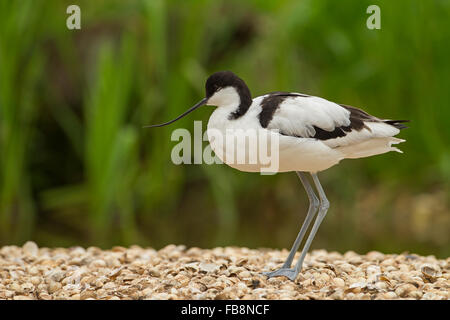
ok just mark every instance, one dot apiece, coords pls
pixel 236 142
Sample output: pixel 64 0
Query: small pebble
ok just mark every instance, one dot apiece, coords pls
pixel 23 298
pixel 208 267
pixel 390 295
pixel 404 290
pixel 30 249
pixel 339 282
pixel 54 286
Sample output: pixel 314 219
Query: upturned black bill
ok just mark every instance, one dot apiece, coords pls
pixel 201 103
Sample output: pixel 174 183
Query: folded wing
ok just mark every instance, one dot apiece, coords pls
pixel 337 126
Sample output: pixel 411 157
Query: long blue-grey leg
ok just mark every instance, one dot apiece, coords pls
pixel 313 206
pixel 323 208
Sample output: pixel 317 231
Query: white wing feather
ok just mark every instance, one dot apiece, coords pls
pixel 296 116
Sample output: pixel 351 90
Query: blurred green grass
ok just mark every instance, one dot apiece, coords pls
pixel 76 168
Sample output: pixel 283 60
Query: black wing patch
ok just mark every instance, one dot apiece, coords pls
pixel 358 118
pixel 322 134
pixel 271 103
pixel 397 123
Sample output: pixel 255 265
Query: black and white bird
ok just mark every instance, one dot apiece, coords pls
pixel 314 134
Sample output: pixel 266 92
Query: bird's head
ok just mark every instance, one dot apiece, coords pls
pixel 222 88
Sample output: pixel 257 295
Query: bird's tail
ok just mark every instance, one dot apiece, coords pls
pixel 371 147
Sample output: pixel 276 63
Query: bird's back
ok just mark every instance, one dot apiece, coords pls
pixel 344 130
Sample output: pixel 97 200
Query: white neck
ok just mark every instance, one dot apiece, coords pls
pixel 226 97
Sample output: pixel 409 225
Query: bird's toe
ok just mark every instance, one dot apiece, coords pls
pixel 291 274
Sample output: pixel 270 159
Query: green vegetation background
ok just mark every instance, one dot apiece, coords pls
pixel 76 167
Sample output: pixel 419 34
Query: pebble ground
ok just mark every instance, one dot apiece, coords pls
pixel 177 272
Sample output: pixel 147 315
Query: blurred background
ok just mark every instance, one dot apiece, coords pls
pixel 76 167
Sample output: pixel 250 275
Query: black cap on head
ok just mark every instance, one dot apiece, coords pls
pixel 223 79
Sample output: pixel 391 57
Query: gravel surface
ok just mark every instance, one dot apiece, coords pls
pixel 175 272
